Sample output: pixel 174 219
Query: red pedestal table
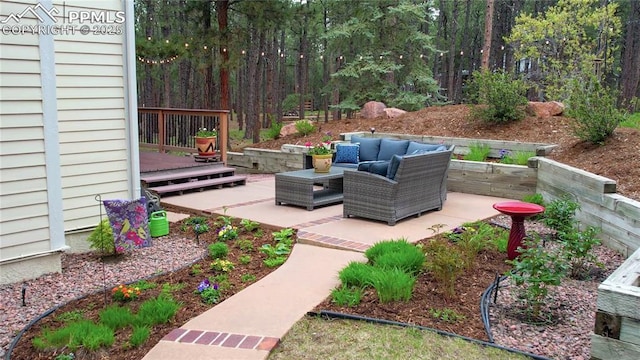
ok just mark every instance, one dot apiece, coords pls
pixel 518 211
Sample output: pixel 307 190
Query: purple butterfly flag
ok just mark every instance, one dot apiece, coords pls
pixel 129 222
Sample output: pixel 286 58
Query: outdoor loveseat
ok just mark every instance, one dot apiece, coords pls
pixel 412 183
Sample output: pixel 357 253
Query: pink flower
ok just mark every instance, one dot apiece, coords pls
pixel 307 144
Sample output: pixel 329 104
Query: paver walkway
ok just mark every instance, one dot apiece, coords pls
pixel 250 323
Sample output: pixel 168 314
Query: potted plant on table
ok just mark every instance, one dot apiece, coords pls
pixel 206 142
pixel 321 155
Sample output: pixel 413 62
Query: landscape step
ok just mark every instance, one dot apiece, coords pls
pixel 149 179
pixel 200 184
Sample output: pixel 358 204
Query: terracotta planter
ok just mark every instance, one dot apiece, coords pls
pixel 206 145
pixel 322 163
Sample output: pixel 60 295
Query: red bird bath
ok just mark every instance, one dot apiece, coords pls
pixel 518 211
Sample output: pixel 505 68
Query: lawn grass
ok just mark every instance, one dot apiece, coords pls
pixel 317 338
pixel 633 121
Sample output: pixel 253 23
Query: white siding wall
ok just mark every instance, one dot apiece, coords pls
pixel 91 118
pixel 24 220
pixel 88 79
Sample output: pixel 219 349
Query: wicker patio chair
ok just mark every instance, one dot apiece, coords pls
pixel 420 185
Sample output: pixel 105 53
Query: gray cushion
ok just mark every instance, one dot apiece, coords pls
pixel 426 151
pixel 413 146
pixel 390 147
pixel 366 165
pixel 379 167
pixel 393 166
pixel 345 165
pixel 347 153
pixel 369 147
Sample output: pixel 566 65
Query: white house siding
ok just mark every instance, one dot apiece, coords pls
pixel 24 211
pixel 92 150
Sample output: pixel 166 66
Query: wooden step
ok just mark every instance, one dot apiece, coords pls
pixel 187 174
pixel 201 184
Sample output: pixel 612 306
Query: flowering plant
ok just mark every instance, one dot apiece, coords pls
pixel 319 149
pixel 227 232
pixel 210 293
pixel 222 265
pixel 203 132
pixel 125 293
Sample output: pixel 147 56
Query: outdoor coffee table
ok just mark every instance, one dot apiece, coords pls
pixel 300 187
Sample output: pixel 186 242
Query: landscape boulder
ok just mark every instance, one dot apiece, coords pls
pixel 372 110
pixel 394 112
pixel 290 129
pixel 545 109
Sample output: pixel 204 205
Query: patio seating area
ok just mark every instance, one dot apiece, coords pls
pixel 326 242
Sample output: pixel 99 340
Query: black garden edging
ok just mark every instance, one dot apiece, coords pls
pixel 336 315
pixel 16 339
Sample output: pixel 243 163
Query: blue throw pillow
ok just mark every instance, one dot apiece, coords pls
pixel 369 147
pixel 390 147
pixel 347 153
pixel 393 166
pixel 413 146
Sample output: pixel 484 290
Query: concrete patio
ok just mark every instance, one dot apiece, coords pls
pixel 249 324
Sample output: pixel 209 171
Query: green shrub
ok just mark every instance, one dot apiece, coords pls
pixel 499 98
pixel 273 132
pixel 409 101
pixel 356 274
pixel 83 333
pixel 139 335
pixel 534 271
pixel 534 199
pixel 244 259
pixel 593 107
pixel 274 261
pixel 291 102
pixel 248 278
pixel 409 259
pixel 577 250
pixel 245 245
pixel 157 311
pixel 447 315
pixel 478 152
pixel 347 296
pixel 392 285
pixel 445 263
pixel 517 157
pixel 116 317
pixel 384 247
pixel 249 225
pixel 559 215
pixel 101 238
pixel 218 250
pixel 304 127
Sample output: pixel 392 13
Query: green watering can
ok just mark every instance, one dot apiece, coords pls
pixel 159 224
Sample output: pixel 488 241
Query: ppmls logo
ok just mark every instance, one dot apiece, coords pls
pixel 15 18
pixel 85 22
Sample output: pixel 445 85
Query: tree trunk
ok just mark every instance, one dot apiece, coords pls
pixel 222 7
pixel 488 29
pixel 630 77
pixel 453 35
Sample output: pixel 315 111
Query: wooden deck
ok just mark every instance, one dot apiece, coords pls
pixel 166 174
pixel 151 161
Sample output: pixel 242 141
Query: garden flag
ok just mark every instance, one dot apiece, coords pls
pixel 129 222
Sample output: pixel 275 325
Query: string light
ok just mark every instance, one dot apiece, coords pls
pixel 156 62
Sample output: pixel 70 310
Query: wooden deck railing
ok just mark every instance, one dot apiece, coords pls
pixel 166 129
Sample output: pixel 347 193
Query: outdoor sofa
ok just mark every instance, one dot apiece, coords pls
pixel 410 183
